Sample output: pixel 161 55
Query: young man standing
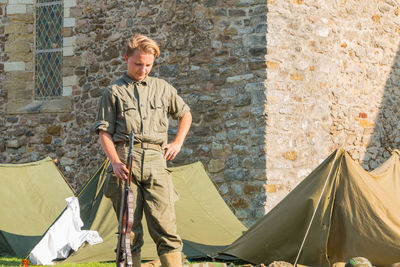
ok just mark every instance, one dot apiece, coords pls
pixel 139 103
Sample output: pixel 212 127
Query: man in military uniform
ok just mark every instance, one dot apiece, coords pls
pixel 139 103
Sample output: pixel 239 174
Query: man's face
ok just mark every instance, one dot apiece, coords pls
pixel 139 65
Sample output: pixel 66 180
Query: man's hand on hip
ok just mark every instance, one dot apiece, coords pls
pixel 172 149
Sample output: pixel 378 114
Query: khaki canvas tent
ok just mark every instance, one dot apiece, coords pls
pixel 338 212
pixel 32 197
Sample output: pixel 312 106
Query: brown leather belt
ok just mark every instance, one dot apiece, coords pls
pixel 145 145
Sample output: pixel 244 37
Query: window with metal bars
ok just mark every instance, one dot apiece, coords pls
pixel 49 49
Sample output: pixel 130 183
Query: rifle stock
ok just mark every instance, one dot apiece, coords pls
pixel 125 222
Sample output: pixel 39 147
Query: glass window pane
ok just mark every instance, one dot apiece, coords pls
pixel 48 75
pixel 49 44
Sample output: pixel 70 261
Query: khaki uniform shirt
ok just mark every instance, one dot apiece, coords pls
pixel 142 107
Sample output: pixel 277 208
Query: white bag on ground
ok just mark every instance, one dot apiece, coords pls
pixel 65 234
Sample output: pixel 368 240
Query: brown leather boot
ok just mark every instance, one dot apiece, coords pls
pixel 173 259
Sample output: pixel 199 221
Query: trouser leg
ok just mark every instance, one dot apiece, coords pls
pixel 158 205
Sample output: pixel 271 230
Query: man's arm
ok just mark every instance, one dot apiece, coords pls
pixel 107 144
pixel 172 149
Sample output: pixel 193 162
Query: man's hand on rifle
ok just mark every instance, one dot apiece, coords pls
pixel 120 170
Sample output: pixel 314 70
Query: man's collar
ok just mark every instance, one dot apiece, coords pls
pixel 128 80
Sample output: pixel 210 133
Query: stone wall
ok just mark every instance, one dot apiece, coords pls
pixel 333 80
pixel 268 105
pixel 211 51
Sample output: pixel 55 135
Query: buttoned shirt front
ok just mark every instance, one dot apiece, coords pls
pixel 142 107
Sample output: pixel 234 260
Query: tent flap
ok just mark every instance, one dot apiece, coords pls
pixel 358 215
pixel 32 196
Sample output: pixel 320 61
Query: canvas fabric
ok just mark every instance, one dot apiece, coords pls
pixel 358 215
pixel 32 196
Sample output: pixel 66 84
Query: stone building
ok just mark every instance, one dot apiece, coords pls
pixel 274 86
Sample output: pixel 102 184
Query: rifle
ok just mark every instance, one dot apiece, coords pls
pixel 125 222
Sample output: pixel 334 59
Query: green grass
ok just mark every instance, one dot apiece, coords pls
pixel 6 261
pixel 10 261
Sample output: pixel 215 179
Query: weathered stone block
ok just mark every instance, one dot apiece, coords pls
pixel 296 76
pixel 239 78
pixel 239 203
pixel 21 76
pixel 13 144
pixel 14 66
pixel 219 150
pixel 47 140
pixel 54 130
pixel 16 9
pixel 16 2
pixel 270 188
pixel 67 91
pixel 68 51
pixel 69 3
pixel 2 146
pixel 18 28
pixel 16 18
pixel 290 155
pixel 249 189
pixel 69 22
pixel 68 32
pixel 236 13
pixel 70 80
pixel 72 61
pixel 216 165
pixel 236 175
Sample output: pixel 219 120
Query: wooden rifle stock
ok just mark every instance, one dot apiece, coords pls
pixel 123 251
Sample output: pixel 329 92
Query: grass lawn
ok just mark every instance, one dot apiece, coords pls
pixel 5 261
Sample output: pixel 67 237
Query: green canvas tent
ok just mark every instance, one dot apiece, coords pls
pixel 32 197
pixel 338 212
pixel 205 222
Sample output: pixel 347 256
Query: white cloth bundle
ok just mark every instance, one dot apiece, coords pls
pixel 65 234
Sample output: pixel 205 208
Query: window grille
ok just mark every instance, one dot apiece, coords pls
pixel 49 49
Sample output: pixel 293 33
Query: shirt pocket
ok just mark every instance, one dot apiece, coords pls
pixel 159 115
pixel 131 117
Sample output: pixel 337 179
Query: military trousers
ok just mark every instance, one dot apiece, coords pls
pixel 154 196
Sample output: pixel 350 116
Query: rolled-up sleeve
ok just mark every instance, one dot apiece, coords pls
pixel 177 107
pixel 106 114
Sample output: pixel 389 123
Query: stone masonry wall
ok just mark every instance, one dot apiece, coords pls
pixel 211 51
pixel 333 80
pixel 274 86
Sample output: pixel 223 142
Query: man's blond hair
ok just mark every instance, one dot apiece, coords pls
pixel 142 43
